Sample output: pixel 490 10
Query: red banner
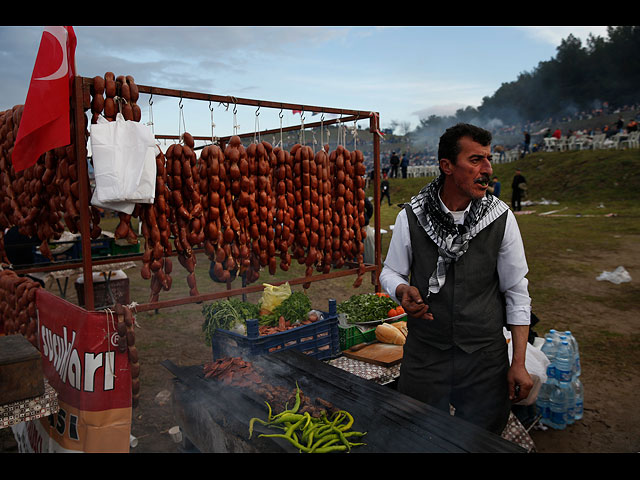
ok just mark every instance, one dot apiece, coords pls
pixel 81 361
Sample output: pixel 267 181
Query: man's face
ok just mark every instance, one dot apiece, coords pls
pixel 471 172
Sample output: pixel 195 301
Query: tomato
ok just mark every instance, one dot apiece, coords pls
pixel 399 310
pixel 392 313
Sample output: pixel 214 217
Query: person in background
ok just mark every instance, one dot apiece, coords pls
pixel 404 164
pixel 499 149
pixel 369 240
pixel 19 248
pixel 456 264
pixel 394 161
pixel 557 134
pixel 527 143
pixel 494 187
pixel 517 191
pixel 384 189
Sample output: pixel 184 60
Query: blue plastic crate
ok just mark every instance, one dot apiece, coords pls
pixel 72 253
pixel 319 339
pixel 100 247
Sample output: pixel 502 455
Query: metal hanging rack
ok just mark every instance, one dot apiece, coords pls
pixel 81 102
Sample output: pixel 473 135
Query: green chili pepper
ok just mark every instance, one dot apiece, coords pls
pixel 293 441
pixel 253 420
pixel 332 448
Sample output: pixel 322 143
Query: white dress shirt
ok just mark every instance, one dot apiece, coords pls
pixel 512 265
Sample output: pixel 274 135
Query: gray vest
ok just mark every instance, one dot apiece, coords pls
pixel 469 309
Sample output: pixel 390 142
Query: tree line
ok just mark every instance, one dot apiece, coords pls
pixel 580 78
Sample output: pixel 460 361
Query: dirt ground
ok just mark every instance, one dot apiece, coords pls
pixel 611 422
pixel 610 360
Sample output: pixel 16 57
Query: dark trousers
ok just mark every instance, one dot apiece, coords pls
pixel 475 384
pixel 385 194
pixel 394 171
pixel 516 198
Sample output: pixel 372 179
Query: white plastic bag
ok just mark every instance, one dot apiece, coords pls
pixel 124 163
pixel 536 363
pixel 618 276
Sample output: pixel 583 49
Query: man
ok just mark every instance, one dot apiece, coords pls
pixel 404 164
pixel 384 189
pixel 527 143
pixel 394 161
pixel 494 187
pixel 456 264
pixel 517 190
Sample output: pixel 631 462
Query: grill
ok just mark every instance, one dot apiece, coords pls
pixel 215 416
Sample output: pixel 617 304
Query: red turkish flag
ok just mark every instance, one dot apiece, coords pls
pixel 45 119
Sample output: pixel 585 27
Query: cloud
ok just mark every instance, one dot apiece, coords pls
pixel 553 35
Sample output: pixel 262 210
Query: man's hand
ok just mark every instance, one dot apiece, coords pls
pixel 520 383
pixel 520 378
pixel 412 302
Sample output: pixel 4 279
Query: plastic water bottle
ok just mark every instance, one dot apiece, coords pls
pixel 579 402
pixel 574 344
pixel 558 407
pixel 555 336
pixel 549 349
pixel 543 400
pixel 571 403
pixel 564 363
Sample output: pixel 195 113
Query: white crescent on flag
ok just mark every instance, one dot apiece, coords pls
pixel 61 35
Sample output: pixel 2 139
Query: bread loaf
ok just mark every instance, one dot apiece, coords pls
pixel 402 326
pixel 388 334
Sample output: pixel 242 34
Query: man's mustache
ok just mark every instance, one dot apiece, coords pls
pixel 482 179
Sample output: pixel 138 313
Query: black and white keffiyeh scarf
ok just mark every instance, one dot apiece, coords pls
pixel 452 240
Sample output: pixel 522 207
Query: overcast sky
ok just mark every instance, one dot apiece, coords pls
pixel 404 73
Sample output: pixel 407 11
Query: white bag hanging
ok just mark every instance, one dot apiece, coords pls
pixel 124 164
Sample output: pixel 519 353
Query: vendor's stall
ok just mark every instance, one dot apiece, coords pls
pixel 252 208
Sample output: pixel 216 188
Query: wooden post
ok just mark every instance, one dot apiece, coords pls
pixel 78 136
pixel 375 129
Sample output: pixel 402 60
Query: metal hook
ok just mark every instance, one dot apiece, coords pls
pixel 258 110
pixel 151 99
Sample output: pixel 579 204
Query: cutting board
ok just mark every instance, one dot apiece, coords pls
pixel 378 353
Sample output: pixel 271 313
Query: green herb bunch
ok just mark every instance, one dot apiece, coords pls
pixel 366 307
pixel 294 308
pixel 225 314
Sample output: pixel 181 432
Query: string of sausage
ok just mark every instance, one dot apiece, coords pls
pixel 39 198
pixel 186 219
pixel 18 314
pixel 127 344
pixel 284 202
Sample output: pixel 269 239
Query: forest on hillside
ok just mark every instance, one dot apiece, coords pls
pixel 600 77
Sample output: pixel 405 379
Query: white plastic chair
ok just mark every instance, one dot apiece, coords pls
pixel 613 142
pixel 561 145
pixel 598 141
pixel 549 144
pixel 631 141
